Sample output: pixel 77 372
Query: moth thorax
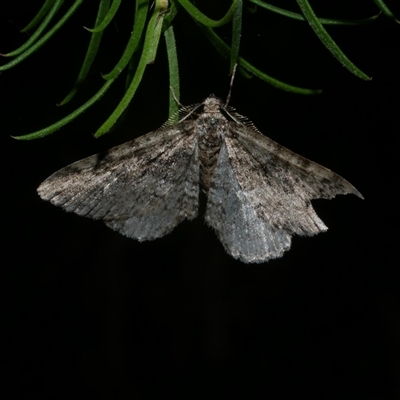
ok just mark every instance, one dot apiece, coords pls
pixel 209 148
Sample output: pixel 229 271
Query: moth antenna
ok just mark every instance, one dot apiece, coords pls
pixel 228 98
pixel 175 98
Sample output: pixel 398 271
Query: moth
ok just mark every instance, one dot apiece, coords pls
pixel 258 192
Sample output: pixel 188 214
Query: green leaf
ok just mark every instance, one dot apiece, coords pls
pixel 161 6
pixel 328 41
pixel 142 7
pixel 34 37
pixel 203 19
pixel 59 124
pixel 147 50
pixel 324 21
pixel 90 54
pixel 173 73
pixel 384 8
pixel 39 16
pixel 102 24
pixel 224 50
pixel 171 14
pixel 236 33
pixel 45 38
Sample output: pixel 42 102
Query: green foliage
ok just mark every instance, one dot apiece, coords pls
pixel 145 39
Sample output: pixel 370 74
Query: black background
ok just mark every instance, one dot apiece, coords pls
pixel 88 312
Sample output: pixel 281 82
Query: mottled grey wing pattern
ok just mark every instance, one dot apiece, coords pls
pixel 142 190
pixel 318 181
pixel 260 195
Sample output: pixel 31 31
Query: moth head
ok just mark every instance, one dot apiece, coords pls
pixel 212 104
